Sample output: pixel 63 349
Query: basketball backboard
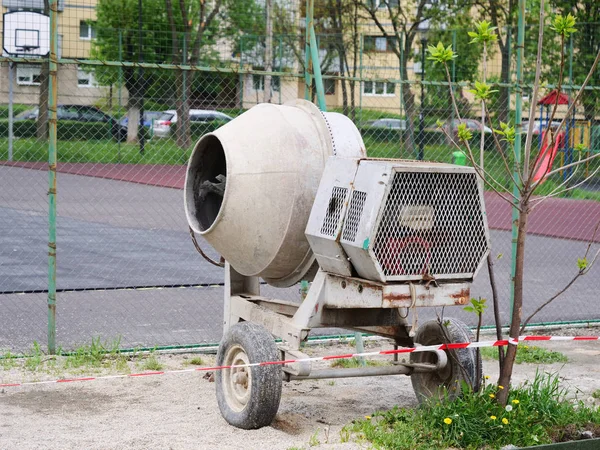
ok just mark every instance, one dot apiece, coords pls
pixel 25 33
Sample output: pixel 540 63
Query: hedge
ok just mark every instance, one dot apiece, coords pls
pixel 68 130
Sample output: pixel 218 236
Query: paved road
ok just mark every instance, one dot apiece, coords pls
pixel 117 234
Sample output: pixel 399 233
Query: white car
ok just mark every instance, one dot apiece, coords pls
pixel 537 125
pixel 162 125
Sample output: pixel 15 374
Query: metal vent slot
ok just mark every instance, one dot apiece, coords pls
pixel 355 211
pixel 432 224
pixel 334 210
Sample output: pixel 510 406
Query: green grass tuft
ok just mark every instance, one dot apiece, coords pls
pixel 528 354
pixel 536 414
pixel 151 363
pixel 352 363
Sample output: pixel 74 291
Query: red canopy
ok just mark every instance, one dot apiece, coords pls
pixel 550 99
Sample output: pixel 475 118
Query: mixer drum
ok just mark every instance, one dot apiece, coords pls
pixel 251 184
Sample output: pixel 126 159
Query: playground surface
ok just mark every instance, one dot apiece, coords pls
pixel 555 217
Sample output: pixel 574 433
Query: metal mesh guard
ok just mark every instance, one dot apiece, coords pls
pixel 334 210
pixel 354 214
pixel 432 224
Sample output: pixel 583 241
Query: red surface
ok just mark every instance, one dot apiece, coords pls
pixel 550 99
pixel 555 217
pixel 547 155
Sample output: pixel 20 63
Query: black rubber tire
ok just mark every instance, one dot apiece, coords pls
pixel 248 398
pixel 462 363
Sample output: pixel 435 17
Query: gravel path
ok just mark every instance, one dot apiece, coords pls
pixel 179 411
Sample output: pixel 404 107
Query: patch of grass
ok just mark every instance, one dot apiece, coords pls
pixel 8 361
pixel 351 363
pixel 314 439
pixel 151 363
pixel 157 151
pixel 596 393
pixel 528 354
pixel 34 360
pixel 196 361
pixel 537 413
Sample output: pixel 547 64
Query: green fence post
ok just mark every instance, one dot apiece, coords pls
pixel 184 123
pixel 241 74
pixel 518 116
pixel 120 90
pixel 453 73
pixel 316 65
pixel 52 150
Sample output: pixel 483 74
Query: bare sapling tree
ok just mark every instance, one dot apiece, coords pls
pixel 522 171
pixel 485 34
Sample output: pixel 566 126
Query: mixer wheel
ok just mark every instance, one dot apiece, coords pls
pixel 461 366
pixel 248 397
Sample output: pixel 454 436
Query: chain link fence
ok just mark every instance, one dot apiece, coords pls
pixel 135 95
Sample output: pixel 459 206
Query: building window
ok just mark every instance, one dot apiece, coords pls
pixel 379 88
pixel 372 4
pixel 375 44
pixel 87 30
pixel 29 75
pixel 258 83
pixel 329 86
pixel 85 79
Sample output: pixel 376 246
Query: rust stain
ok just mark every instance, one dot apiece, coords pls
pixel 461 297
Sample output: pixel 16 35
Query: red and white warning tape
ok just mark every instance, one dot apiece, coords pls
pixel 424 348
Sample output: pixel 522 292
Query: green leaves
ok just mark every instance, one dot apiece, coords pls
pixel 565 26
pixel 582 264
pixel 482 91
pixel 440 54
pixel 464 134
pixel 483 33
pixel 477 306
pixel 507 132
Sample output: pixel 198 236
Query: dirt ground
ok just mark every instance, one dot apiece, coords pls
pixel 179 411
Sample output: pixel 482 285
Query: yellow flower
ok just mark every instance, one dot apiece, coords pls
pixel 368 417
pixel 492 396
pixel 493 417
pixel 447 420
pixel 526 347
pixel 487 377
pixel 516 402
pixel 505 421
pixel 500 387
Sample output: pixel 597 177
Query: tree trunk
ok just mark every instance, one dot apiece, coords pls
pixel 133 120
pixel 182 129
pixel 503 107
pixel 268 53
pixel 42 126
pixel 410 110
pixel 515 325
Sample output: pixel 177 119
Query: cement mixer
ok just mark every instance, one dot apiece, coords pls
pixel 286 193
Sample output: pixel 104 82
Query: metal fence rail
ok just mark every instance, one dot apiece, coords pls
pixel 131 102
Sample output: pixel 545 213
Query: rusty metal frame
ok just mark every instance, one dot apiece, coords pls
pixel 335 301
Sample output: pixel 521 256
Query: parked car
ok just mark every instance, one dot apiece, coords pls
pixel 392 124
pixel 473 125
pixel 78 113
pixel 538 125
pixel 162 126
pixel 149 118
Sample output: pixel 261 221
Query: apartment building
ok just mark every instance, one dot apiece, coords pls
pixel 76 30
